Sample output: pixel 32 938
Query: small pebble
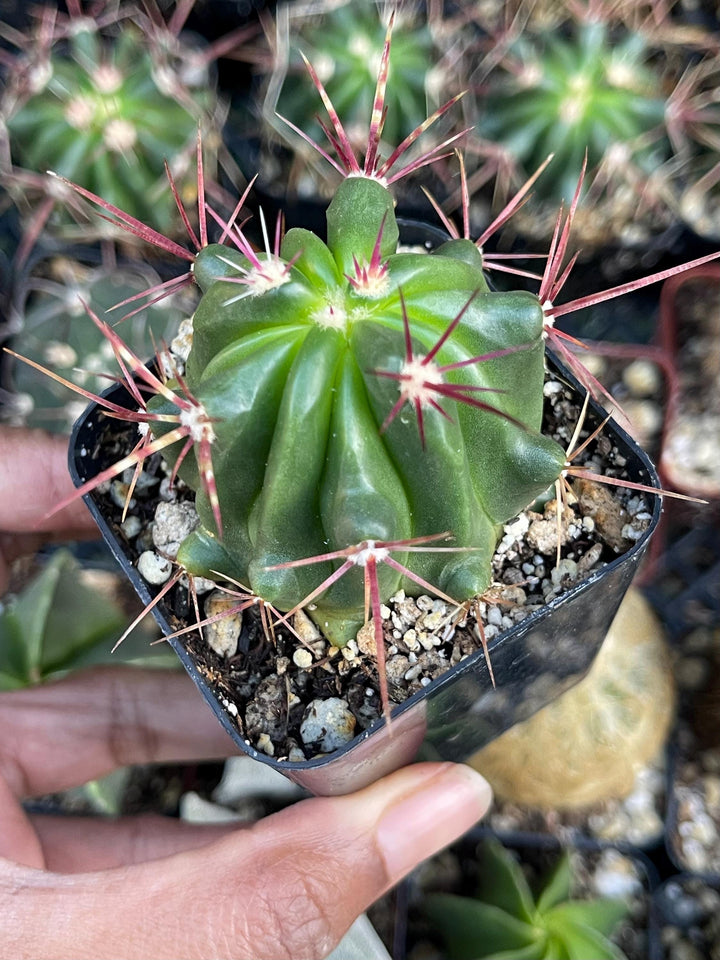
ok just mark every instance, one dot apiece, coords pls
pixel 305 628
pixel 327 724
pixel 222 636
pixel 153 568
pixel 173 523
pixel 131 526
pixel 302 658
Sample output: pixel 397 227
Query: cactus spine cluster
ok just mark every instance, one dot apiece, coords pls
pixel 357 393
pixel 345 42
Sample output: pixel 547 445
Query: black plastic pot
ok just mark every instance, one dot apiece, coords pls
pixel 684 914
pixel 457 714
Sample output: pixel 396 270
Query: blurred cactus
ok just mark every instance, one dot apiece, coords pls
pixel 106 102
pixel 344 42
pixel 623 86
pixel 48 327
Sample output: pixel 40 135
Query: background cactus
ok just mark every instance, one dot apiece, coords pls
pixel 344 42
pixel 628 87
pixel 107 103
pixel 48 325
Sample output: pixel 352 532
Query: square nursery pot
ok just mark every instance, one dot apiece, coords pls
pixel 457 714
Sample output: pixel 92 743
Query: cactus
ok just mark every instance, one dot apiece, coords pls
pixel 312 451
pixel 606 85
pixel 50 329
pixel 107 104
pixel 344 42
pixel 507 920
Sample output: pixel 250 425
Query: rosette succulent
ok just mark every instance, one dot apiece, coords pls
pixel 507 921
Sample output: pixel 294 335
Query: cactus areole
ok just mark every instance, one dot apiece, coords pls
pixel 356 393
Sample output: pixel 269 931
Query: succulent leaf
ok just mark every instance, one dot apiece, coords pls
pixel 505 921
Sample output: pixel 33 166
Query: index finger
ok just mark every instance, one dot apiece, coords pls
pixel 66 733
pixel 34 478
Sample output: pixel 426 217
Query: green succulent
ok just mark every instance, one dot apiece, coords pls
pixel 102 110
pixel 507 921
pixel 61 622
pixel 309 369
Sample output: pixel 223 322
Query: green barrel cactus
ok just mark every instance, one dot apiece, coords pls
pixel 108 110
pixel 353 417
pixel 357 393
pixel 51 328
pixel 590 89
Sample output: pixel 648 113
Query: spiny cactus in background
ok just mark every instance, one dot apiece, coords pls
pixel 107 103
pixel 353 418
pixel 345 42
pixel 507 920
pixel 48 324
pixel 620 91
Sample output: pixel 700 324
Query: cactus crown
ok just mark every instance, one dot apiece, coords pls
pixel 507 920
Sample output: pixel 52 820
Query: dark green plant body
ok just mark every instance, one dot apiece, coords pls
pixel 289 363
pixel 108 115
pixel 507 922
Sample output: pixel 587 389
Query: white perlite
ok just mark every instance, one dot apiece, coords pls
pixel 153 568
pixel 173 523
pixel 222 636
pixel 327 725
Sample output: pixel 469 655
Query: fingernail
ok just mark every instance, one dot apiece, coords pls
pixel 439 811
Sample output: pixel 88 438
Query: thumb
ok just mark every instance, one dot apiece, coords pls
pixel 290 886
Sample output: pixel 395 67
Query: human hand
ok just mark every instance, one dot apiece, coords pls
pixel 34 478
pixel 148 886
pixel 288 886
